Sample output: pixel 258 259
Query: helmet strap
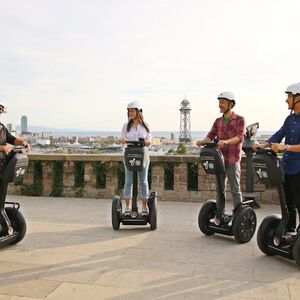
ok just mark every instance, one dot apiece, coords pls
pixel 294 103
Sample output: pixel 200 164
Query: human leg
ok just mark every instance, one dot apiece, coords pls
pixel 144 185
pixel 288 191
pixel 128 189
pixel 233 173
pixel 294 199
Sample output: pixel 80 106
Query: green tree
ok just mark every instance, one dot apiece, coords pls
pixel 181 149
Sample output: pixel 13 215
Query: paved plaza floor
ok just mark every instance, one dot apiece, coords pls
pixel 71 252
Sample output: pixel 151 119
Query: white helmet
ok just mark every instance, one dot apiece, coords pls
pixel 2 104
pixel 134 104
pixel 227 95
pixel 294 88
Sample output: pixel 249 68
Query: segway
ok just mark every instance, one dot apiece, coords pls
pixel 135 153
pixel 212 219
pixel 12 222
pixel 272 238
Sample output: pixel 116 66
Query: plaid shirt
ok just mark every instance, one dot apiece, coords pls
pixel 235 127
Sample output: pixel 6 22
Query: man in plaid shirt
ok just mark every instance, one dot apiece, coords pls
pixel 230 131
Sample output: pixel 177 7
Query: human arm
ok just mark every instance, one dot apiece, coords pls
pixel 281 147
pixel 148 138
pixel 123 138
pixel 239 134
pixel 205 140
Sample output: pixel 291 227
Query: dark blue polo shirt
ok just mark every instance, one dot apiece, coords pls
pixel 290 130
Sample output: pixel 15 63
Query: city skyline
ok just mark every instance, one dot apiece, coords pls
pixel 77 64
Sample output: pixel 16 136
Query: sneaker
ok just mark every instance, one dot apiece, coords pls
pixel 127 211
pixel 290 230
pixel 144 211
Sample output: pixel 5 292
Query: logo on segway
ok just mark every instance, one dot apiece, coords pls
pixel 20 172
pixel 262 174
pixel 208 165
pixel 134 162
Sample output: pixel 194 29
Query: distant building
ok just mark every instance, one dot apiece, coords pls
pixel 24 127
pixel 43 142
pixel 172 137
pixel 11 128
pixel 156 141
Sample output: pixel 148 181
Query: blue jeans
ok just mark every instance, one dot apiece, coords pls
pixel 143 181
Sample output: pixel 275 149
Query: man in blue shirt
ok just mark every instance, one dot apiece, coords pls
pixel 290 130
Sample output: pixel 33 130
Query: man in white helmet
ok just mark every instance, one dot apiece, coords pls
pixel 7 138
pixel 290 131
pixel 230 131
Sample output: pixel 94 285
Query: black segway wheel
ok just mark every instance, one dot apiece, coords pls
pixel 296 250
pixel 244 224
pixel 207 212
pixel 18 223
pixel 153 214
pixel 116 210
pixel 265 233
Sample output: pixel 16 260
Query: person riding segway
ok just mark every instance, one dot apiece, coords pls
pixel 222 158
pixel 13 165
pixel 278 235
pixel 137 135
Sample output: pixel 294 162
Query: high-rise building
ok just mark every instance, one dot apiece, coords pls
pixel 185 135
pixel 24 128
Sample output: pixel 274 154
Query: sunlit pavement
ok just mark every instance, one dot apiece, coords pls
pixel 70 251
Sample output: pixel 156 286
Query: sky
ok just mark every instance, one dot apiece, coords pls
pixel 77 63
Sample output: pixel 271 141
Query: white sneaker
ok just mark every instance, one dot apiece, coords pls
pixel 145 211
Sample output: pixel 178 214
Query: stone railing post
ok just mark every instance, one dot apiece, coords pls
pixel 180 181
pixel 47 169
pixel 157 180
pixel 111 179
pixel 68 178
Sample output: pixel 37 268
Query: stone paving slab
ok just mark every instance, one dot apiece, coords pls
pixel 71 252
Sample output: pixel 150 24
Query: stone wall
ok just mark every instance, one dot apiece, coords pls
pixel 89 189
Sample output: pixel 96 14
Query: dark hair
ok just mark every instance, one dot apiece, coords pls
pixel 140 118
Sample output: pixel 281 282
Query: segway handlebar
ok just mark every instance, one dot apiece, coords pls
pixel 211 144
pixel 14 151
pixel 140 143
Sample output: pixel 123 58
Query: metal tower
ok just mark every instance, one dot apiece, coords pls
pixel 185 122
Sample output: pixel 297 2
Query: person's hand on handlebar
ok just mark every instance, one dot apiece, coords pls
pixel 222 144
pixel 122 140
pixel 257 146
pixel 278 147
pixel 21 142
pixel 199 143
pixel 6 149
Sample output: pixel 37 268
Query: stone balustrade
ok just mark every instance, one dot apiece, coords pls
pixel 72 175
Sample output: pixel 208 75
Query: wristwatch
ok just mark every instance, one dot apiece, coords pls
pixel 288 147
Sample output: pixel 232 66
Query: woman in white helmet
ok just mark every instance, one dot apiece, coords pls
pixel 7 138
pixel 290 131
pixel 133 130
